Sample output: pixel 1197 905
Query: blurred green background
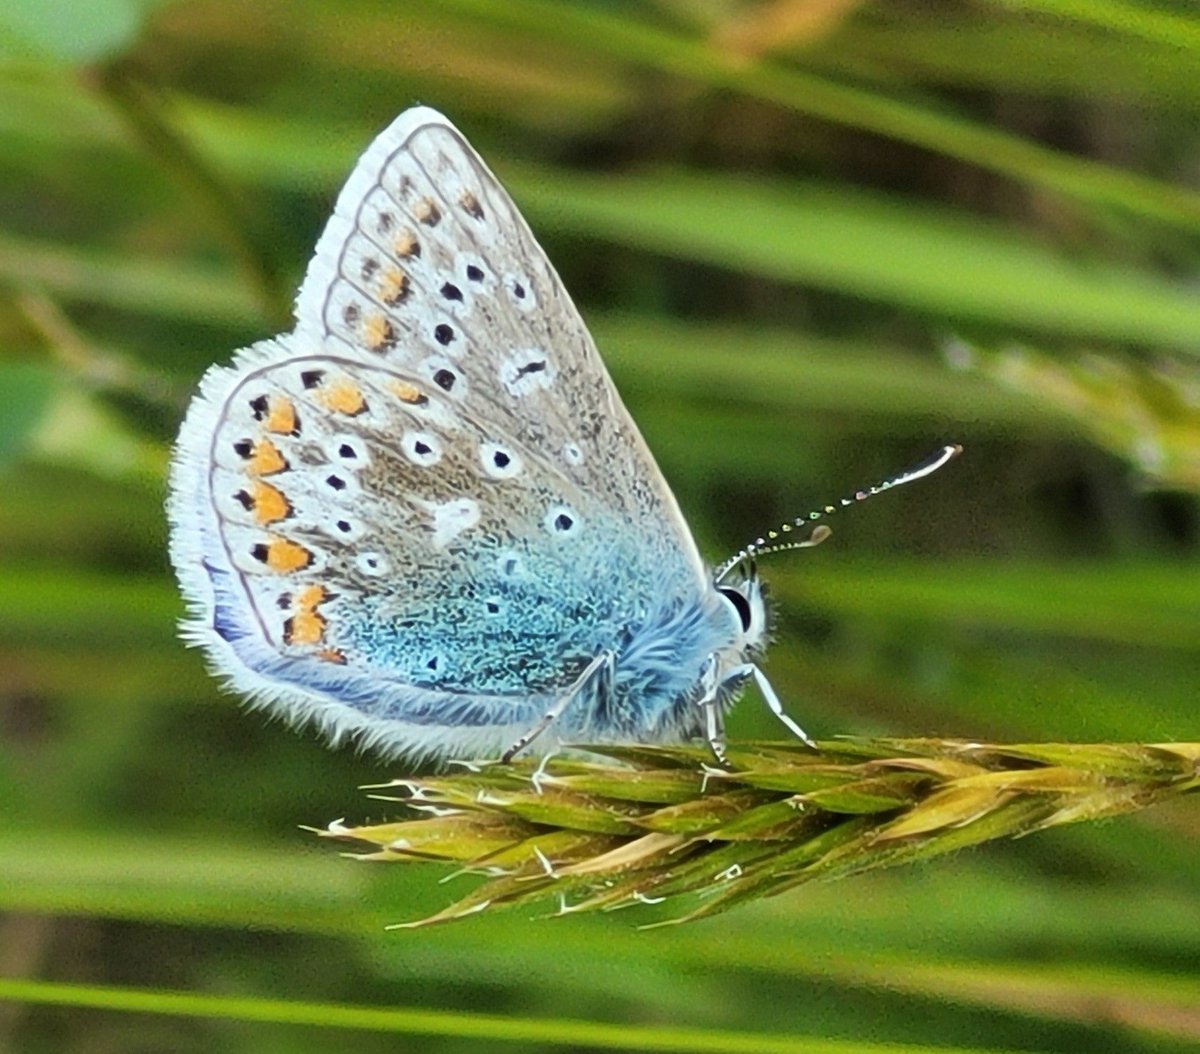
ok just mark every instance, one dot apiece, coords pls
pixel 815 239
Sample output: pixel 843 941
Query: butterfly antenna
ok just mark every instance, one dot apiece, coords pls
pixel 775 542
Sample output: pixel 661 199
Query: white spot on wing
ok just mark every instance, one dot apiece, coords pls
pixel 345 449
pixel 525 371
pixel 338 485
pixel 451 518
pixel 421 448
pixel 562 521
pixel 344 527
pixel 498 461
pixel 446 376
pixel 372 563
pixel 473 274
pixel 510 565
pixel 520 291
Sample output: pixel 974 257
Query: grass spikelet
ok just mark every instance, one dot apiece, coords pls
pixel 648 824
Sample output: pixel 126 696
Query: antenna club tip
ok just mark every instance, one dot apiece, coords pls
pixel 771 544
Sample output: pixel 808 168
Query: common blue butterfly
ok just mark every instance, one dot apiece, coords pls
pixel 424 517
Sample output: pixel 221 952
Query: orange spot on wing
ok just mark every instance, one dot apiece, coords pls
pixel 269 504
pixel 407 393
pixel 378 333
pixel 471 204
pixel 265 459
pixel 309 597
pixel 427 212
pixel 281 415
pixel 304 627
pixel 406 245
pixel 284 556
pixel 343 397
pixel 332 655
pixel 393 286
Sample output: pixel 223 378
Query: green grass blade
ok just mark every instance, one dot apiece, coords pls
pixel 493 1028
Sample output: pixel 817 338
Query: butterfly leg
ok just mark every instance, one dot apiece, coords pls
pixel 600 667
pixel 714 721
pixel 772 700
pixel 714 731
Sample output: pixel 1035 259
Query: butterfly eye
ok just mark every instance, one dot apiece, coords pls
pixel 741 605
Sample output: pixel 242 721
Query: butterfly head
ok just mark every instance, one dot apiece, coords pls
pixel 742 590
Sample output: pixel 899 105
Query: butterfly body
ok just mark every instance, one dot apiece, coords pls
pixel 424 517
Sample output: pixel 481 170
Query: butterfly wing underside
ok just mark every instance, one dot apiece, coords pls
pixel 420 514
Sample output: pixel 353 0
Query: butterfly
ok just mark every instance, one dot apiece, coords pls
pixel 424 519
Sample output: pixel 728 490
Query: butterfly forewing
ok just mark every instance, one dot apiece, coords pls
pixel 425 511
